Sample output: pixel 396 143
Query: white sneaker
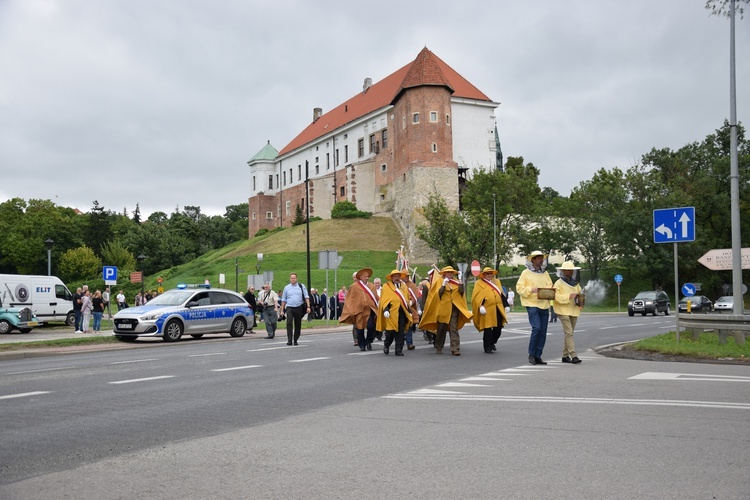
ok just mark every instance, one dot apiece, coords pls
pixel 79 331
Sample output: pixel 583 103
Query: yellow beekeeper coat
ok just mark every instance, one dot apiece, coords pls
pixel 485 295
pixel 562 303
pixel 439 307
pixel 389 296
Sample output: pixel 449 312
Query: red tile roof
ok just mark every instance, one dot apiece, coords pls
pixel 426 69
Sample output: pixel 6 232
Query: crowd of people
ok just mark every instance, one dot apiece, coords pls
pixel 392 311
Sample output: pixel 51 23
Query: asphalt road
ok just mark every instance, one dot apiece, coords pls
pixel 253 418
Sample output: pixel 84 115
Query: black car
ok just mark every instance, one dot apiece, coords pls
pixel 698 303
pixel 649 302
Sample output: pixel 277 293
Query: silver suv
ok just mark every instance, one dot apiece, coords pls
pixel 185 311
pixel 649 302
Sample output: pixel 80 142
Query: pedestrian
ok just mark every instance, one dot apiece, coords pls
pixel 323 311
pixel 424 289
pixel 488 307
pixel 394 313
pixel 416 310
pixel 361 308
pixel 341 298
pixel 77 300
pixel 530 286
pixel 138 299
pixel 105 299
pixel 511 298
pixel 552 314
pixel 446 312
pixel 568 306
pixel 269 301
pixel 378 290
pixel 295 301
pixel 98 310
pixel 87 308
pixel 250 299
pixel 282 313
pixel 121 301
pixel 314 303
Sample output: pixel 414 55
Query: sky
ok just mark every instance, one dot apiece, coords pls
pixel 161 103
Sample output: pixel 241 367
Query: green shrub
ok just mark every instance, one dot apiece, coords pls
pixel 348 210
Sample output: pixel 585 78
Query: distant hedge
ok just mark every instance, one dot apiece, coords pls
pixel 348 210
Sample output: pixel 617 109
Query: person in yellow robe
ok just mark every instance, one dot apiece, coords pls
pixel 416 309
pixel 446 311
pixel 533 278
pixel 488 303
pixel 394 312
pixel 360 308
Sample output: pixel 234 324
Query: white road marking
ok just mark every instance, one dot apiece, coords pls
pixel 308 359
pixel 208 354
pixel 41 371
pixel 24 394
pixel 133 361
pixel 141 379
pixel 689 376
pixel 461 384
pixel 434 391
pixel 274 348
pixel 530 399
pixel 481 378
pixel 236 368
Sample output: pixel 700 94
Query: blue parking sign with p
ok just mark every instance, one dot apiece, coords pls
pixel 110 275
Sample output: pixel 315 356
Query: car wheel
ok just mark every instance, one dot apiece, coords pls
pixel 173 331
pixel 630 313
pixel 666 311
pixel 644 313
pixel 24 330
pixel 5 326
pixel 238 327
pixel 197 335
pixel 70 320
pixel 126 338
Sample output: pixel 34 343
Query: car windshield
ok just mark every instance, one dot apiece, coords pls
pixel 171 298
pixel 727 300
pixel 646 295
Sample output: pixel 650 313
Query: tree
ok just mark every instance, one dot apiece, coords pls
pixel 97 228
pixel 299 216
pixel 137 214
pixel 80 264
pixel 115 254
pixel 721 7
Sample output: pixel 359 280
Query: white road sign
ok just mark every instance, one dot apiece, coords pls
pixel 721 259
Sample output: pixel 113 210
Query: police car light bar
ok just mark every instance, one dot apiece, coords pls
pixel 183 286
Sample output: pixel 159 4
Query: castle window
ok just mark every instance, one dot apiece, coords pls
pixel 253 183
pixel 372 143
pixel 299 172
pixel 361 147
pixel 288 208
pixel 415 117
pixel 291 176
pixel 346 153
pixel 328 161
pixel 382 197
pixel 383 167
pixel 317 169
pixel 447 119
pixel 285 178
pixel 434 147
pixel 384 138
pixel 404 177
pixel 277 180
pixel 269 215
pixel 433 116
pixel 253 215
pixel 270 182
pixel 342 191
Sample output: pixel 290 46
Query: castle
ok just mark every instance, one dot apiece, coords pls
pixel 422 129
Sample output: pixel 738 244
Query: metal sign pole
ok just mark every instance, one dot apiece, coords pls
pixel 676 295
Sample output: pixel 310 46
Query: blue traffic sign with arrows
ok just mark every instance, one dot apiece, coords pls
pixel 673 225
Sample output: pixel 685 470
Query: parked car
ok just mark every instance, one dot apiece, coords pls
pixel 22 319
pixel 649 302
pixel 192 311
pixel 698 303
pixel 724 304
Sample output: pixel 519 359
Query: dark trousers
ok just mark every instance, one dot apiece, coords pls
pixel 294 322
pixel 363 339
pixel 490 337
pixel 397 335
pixel 79 317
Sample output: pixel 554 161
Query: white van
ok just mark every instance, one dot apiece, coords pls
pixel 46 296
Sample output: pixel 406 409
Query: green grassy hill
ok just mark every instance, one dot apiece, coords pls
pixel 362 243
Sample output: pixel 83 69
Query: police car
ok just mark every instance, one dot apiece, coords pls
pixel 185 310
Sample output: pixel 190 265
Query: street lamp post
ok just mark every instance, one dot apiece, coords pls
pixel 257 264
pixel 141 259
pixel 50 243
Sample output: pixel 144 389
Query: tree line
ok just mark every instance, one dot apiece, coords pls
pixel 83 242
pixel 608 218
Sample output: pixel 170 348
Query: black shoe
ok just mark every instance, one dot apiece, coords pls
pixel 399 353
pixel 295 343
pixel 575 360
pixel 532 360
pixel 494 348
pixel 488 351
pixel 288 343
pixel 369 346
pixel 385 350
pixel 540 362
pixel 566 359
pixel 362 349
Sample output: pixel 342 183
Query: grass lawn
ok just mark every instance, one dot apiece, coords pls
pixel 707 346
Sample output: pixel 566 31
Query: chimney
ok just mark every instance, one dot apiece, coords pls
pixel 367 85
pixel 317 113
